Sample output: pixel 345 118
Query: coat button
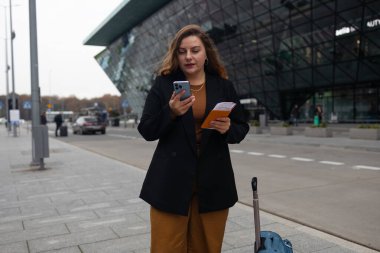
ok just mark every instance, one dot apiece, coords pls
pixel 174 153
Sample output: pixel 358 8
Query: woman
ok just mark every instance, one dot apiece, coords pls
pixel 190 182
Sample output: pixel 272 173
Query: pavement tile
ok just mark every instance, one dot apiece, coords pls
pixel 121 245
pixel 21 203
pixel 132 200
pixel 125 220
pixel 73 239
pixel 130 229
pixel 19 247
pixel 306 243
pixel 28 216
pixel 11 226
pixel 75 196
pixel 59 219
pixel 122 210
pixel 145 215
pixel 336 249
pixel 240 238
pixel 246 249
pixel 232 226
pixel 5 212
pixel 80 206
pixel 30 234
pixel 57 206
pixel 65 250
pixel 97 199
pixel 142 251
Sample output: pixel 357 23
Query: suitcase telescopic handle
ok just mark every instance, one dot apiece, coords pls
pixel 254 184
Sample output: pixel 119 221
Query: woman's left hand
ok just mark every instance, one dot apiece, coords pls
pixel 221 124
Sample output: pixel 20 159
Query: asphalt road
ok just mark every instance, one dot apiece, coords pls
pixel 334 190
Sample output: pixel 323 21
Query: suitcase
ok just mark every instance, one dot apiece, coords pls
pixel 63 131
pixel 269 242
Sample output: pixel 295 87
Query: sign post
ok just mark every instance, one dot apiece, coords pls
pixel 125 105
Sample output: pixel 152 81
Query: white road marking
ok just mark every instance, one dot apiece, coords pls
pixel 255 153
pixel 331 163
pixel 237 151
pixel 364 167
pixel 123 136
pixel 277 156
pixel 302 159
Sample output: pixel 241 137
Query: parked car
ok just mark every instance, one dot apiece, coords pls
pixel 88 124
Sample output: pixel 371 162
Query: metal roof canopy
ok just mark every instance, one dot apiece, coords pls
pixel 127 15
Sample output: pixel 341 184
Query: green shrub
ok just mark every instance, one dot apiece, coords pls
pixel 255 123
pixel 322 125
pixel 369 126
pixel 285 124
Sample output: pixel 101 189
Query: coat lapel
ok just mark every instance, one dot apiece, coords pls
pixel 187 119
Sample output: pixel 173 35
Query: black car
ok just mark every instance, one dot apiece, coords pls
pixel 88 124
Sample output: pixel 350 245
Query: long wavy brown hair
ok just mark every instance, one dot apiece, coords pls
pixel 170 61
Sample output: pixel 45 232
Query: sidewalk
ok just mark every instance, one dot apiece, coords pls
pixel 84 202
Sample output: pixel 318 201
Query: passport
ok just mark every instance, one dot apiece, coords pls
pixel 222 109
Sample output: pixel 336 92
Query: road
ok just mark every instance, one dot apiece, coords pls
pixel 334 190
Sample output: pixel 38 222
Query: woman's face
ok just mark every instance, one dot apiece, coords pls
pixel 191 56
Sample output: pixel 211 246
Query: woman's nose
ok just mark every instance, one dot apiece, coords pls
pixel 188 54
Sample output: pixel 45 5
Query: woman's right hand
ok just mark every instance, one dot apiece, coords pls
pixel 179 107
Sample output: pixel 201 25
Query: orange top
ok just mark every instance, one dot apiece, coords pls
pixel 199 108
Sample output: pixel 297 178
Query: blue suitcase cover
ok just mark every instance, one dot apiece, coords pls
pixel 272 242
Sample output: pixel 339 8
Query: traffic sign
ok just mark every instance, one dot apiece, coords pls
pixel 27 105
pixel 125 103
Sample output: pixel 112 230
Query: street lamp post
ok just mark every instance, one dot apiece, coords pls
pixel 40 139
pixel 6 70
pixel 13 35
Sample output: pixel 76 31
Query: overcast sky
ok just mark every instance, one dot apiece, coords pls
pixel 66 66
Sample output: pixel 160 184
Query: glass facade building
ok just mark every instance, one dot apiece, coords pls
pixel 280 52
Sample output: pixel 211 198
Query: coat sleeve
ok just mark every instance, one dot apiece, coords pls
pixel 239 126
pixel 156 119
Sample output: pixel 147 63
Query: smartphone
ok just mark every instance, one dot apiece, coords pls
pixel 182 85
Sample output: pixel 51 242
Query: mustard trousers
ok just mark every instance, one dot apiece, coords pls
pixel 195 233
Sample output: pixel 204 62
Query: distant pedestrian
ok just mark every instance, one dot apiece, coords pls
pixel 318 112
pixel 58 123
pixel 295 114
pixel 43 119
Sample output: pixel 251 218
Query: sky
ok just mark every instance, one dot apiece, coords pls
pixel 66 66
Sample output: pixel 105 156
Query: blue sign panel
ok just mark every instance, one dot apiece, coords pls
pixel 124 104
pixel 1 104
pixel 27 105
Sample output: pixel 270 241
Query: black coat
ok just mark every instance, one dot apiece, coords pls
pixel 175 166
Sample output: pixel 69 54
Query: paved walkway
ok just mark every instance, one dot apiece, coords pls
pixel 86 203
